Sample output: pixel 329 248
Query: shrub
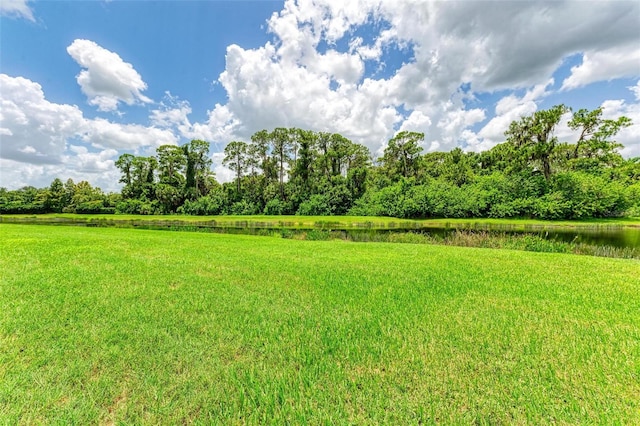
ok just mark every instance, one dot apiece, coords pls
pixel 212 204
pixel 277 207
pixel 135 206
pixel 587 195
pixel 244 208
pixel 317 205
pixel 92 207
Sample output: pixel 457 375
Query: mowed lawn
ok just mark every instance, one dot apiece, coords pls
pixel 102 325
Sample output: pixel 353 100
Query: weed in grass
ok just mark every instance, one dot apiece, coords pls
pixel 286 233
pixel 606 251
pixel 317 235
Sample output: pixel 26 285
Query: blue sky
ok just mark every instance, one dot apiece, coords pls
pixel 175 46
pixel 84 81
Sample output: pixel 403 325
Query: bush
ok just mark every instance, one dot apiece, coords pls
pixel 17 207
pixel 93 207
pixel 210 205
pixel 387 201
pixel 580 195
pixel 551 206
pixel 135 206
pixel 632 195
pixel 277 207
pixel 339 199
pixel 244 208
pixel 439 198
pixel 520 207
pixel 317 205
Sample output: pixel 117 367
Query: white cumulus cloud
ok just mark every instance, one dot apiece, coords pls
pixel 331 66
pixel 604 65
pixel 303 78
pixel 42 140
pixel 106 79
pixel 172 112
pixel 508 109
pixel 34 129
pixel 636 90
pixel 105 134
pixel 629 136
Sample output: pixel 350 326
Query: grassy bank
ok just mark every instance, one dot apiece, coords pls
pixel 478 239
pixel 314 222
pixel 604 237
pixel 108 325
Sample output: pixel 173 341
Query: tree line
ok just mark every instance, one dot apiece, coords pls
pixel 296 171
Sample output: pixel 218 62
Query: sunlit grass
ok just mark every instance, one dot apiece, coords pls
pixel 105 325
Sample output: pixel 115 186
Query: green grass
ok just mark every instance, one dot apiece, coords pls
pixel 106 325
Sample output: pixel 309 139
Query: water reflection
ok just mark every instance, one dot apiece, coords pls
pixel 617 236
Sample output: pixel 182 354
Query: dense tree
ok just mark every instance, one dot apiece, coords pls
pixel 457 167
pixel 339 151
pixel 87 199
pixel 55 196
pixel 289 171
pixel 258 154
pixel 595 147
pixel 534 137
pixel 504 157
pixel 236 157
pixel 281 148
pixel 171 164
pixel 169 197
pixel 323 143
pixel 143 171
pixel 125 164
pixel 294 142
pixel 358 157
pixel 402 153
pixel 303 166
pixel 69 192
pixel 358 164
pixel 198 167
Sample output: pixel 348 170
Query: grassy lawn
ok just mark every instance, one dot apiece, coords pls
pixel 101 325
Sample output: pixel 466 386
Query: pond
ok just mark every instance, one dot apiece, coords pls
pixel 618 236
pixel 614 236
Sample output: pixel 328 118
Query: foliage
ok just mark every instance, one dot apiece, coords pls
pixel 236 157
pixel 277 207
pixel 532 174
pixel 533 136
pixel 402 154
pixel 135 206
pixel 58 197
pixel 317 205
pixel 213 203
